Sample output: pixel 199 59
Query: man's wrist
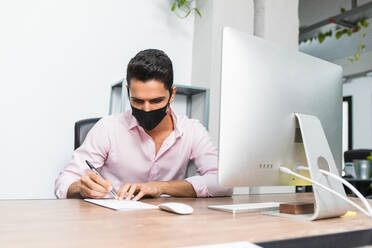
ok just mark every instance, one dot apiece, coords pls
pixel 163 187
pixel 74 190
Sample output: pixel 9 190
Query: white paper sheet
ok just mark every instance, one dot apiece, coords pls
pixel 121 204
pixel 242 244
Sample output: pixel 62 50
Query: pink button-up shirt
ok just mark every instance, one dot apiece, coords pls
pixel 125 153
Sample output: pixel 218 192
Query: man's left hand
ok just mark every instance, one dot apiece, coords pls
pixel 135 191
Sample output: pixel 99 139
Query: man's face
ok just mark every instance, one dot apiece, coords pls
pixel 149 95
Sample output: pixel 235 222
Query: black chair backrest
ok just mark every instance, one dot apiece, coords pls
pixel 82 128
pixel 350 155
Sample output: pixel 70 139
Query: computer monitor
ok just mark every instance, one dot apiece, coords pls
pixel 263 85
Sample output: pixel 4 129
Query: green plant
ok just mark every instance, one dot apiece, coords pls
pixel 369 157
pixel 321 37
pixel 361 46
pixel 185 7
pixel 363 23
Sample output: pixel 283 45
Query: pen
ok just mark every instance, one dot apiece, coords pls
pixel 96 171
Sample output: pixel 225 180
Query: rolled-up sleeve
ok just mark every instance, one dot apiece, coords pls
pixel 204 155
pixel 94 149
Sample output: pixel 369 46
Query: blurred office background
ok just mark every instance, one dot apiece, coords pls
pixel 59 59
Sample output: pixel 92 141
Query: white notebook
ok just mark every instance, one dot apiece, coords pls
pixel 121 204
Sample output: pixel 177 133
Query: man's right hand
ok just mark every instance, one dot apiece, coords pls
pixel 90 185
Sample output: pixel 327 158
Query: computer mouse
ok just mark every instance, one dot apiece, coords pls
pixel 176 207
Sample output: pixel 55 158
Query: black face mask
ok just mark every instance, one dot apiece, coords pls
pixel 150 119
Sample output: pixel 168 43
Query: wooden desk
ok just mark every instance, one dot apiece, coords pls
pixel 76 223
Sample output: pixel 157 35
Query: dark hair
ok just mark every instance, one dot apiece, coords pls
pixel 151 64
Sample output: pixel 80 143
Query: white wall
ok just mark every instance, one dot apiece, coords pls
pixel 58 60
pixel 362 65
pixel 361 91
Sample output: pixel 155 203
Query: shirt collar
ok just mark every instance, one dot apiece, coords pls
pixel 132 121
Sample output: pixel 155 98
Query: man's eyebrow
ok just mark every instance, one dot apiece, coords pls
pixel 158 98
pixel 153 99
pixel 135 98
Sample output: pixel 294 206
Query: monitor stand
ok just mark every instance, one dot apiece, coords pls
pixel 319 156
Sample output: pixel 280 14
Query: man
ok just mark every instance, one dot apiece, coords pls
pixel 144 151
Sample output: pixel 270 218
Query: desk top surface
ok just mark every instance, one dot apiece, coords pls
pixel 76 223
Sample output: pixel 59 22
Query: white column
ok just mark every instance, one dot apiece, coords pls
pixel 275 20
pixel 207 46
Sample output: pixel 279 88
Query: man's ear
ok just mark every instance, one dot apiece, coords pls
pixel 174 90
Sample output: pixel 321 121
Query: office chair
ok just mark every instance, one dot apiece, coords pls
pixel 351 155
pixel 82 128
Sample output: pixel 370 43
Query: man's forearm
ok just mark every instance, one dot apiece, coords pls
pixel 180 188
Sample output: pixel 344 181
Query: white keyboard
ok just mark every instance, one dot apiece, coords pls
pixel 247 207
